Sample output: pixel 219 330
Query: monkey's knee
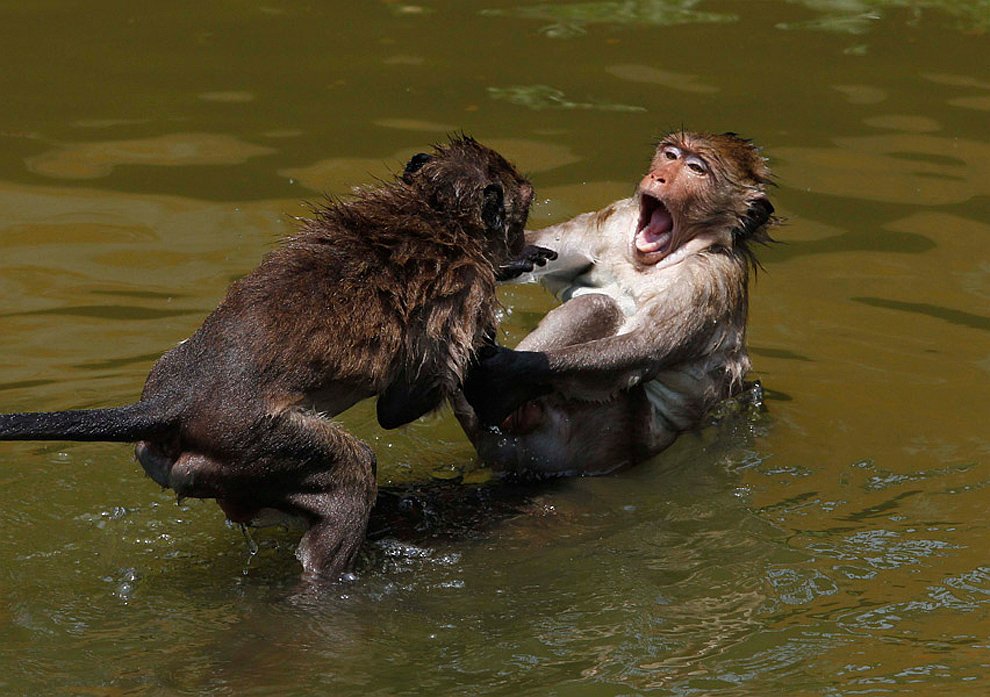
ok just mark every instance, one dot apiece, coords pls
pixel 343 449
pixel 581 319
pixel 367 459
pixel 366 466
pixel 595 309
pixel 349 470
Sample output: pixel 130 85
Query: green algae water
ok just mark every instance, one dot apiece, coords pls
pixel 835 544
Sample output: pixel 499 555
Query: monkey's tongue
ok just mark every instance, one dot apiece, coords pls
pixel 655 236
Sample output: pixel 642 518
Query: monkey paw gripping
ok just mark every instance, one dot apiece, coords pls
pixel 531 257
pixel 502 380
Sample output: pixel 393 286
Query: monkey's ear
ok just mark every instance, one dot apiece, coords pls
pixel 415 163
pixel 493 208
pixel 757 215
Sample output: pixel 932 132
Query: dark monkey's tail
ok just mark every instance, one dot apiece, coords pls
pixel 117 424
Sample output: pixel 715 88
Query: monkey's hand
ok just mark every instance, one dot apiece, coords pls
pixel 502 379
pixel 531 257
pixel 402 402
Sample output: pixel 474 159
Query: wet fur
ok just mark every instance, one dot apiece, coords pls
pixel 389 293
pixel 638 352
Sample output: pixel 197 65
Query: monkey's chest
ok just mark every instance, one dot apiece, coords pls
pixel 600 279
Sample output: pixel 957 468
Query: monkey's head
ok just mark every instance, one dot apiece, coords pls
pixel 701 190
pixel 478 190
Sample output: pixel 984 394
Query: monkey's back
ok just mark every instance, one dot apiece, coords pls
pixel 346 304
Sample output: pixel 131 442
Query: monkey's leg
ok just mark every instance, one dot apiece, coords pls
pixel 583 318
pixel 298 463
pixel 331 544
pixel 336 494
pixel 328 476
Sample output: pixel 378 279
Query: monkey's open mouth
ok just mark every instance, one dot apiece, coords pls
pixel 656 226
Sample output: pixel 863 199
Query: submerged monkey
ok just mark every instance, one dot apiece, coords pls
pixel 651 333
pixel 390 293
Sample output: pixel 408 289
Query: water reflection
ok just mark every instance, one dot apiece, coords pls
pixel 965 319
pixel 850 17
pixel 860 16
pixel 862 94
pixel 904 168
pixel 338 175
pixel 665 78
pixel 570 20
pixel 540 97
pixel 835 547
pixel 98 159
pixel 416 125
pixel 979 102
pixel 881 549
pixel 228 97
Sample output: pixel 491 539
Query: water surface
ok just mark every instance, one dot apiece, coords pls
pixel 834 545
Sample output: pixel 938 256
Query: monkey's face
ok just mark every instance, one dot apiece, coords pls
pixel 699 189
pixel 504 208
pixel 505 231
pixel 477 188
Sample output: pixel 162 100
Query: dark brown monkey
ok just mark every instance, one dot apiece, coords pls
pixel 390 293
pixel 651 332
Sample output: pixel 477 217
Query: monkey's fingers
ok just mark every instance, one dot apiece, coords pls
pixel 531 257
pixel 541 255
pixel 514 269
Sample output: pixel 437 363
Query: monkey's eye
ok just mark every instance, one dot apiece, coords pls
pixel 697 165
pixel 671 153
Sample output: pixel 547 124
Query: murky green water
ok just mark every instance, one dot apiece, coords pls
pixel 836 545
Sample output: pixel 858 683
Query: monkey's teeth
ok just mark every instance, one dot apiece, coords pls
pixel 647 243
pixel 655 235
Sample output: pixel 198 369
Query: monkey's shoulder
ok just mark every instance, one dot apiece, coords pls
pixel 351 310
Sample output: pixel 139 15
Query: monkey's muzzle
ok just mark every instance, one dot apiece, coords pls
pixel 656 226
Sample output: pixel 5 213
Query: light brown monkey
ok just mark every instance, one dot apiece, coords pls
pixel 651 333
pixel 390 293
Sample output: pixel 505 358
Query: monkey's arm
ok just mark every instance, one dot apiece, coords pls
pixel 577 243
pixel 596 370
pixel 666 331
pixel 592 371
pixel 401 403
